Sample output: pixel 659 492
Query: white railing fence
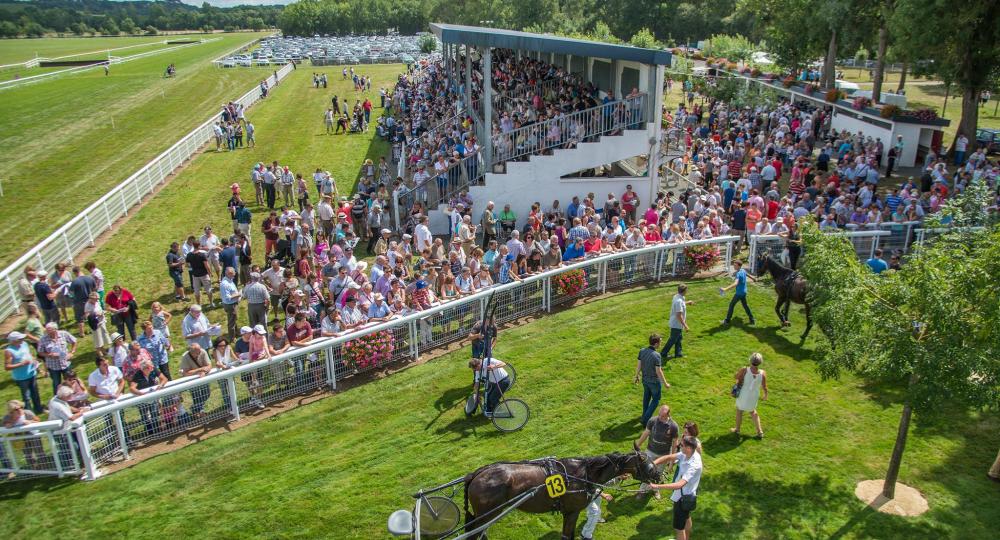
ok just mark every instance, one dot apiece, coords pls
pixel 111 431
pixel 890 237
pixel 79 233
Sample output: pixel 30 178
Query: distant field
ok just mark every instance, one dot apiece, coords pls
pixel 59 146
pixel 22 50
pixel 289 129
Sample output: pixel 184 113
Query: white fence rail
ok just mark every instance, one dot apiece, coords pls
pixel 888 236
pixel 112 430
pixel 79 233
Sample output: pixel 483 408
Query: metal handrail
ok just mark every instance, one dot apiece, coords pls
pixel 575 127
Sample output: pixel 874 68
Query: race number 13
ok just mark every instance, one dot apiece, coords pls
pixel 555 485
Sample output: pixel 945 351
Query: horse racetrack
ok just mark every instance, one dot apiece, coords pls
pixel 338 467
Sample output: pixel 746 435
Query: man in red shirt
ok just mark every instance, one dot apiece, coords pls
pixel 772 209
pixel 271 226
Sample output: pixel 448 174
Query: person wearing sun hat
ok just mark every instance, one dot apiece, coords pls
pixel 19 360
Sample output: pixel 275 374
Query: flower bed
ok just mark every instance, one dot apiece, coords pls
pixel 571 282
pixel 368 350
pixel 861 103
pixel 702 257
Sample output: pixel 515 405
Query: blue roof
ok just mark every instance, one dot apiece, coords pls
pixel 527 41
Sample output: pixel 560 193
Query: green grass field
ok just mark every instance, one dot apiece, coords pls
pixel 289 129
pixel 22 50
pixel 62 151
pixel 338 467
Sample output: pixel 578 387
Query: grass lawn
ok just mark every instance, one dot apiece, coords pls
pixel 62 151
pixel 22 50
pixel 289 129
pixel 338 467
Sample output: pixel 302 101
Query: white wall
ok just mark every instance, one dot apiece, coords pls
pixel 540 178
pixel 911 140
pixel 853 125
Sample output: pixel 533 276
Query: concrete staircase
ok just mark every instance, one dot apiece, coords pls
pixel 540 178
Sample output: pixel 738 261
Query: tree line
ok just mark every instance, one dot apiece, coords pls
pixel 91 17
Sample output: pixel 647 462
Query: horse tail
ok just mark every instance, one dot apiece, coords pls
pixel 465 494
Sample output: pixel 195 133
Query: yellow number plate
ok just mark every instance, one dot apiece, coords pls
pixel 555 485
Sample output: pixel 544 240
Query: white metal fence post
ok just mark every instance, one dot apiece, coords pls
pixel 120 429
pixel 331 369
pixel 602 280
pixel 234 403
pixel 547 283
pixel 90 231
pixel 56 458
pixel 91 472
pixel 414 337
pixel 729 256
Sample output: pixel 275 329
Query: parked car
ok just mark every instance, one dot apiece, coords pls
pixel 989 139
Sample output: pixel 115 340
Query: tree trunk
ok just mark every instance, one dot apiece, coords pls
pixel 829 78
pixel 883 45
pixel 944 106
pixel 902 78
pixel 889 487
pixel 969 120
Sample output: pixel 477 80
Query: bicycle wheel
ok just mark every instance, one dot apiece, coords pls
pixel 510 415
pixel 512 375
pixel 438 517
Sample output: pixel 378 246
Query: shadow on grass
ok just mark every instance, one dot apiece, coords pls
pixel 782 509
pixel 627 430
pixel 448 400
pixel 18 490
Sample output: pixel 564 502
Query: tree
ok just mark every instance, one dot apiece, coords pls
pixel 884 11
pixel 109 27
pixel 428 44
pixel 644 39
pixel 151 30
pixel 964 45
pixel 255 23
pixel 128 26
pixel 938 337
pixel 33 29
pixel 8 29
pixel 734 48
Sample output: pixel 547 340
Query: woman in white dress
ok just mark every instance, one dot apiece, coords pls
pixel 753 386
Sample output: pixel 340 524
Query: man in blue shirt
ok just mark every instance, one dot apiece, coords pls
pixel 574 250
pixel 876 263
pixel 740 283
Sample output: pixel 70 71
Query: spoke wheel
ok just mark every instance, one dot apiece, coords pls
pixel 438 517
pixel 510 415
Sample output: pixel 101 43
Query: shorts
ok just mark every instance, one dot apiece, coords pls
pixel 680 516
pixel 202 283
pixel 176 276
pixel 78 312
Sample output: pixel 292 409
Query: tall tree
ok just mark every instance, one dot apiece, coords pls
pixel 963 42
pixel 884 15
pixel 937 337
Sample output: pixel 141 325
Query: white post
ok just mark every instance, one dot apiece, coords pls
pixel 603 279
pixel 90 232
pixel 120 428
pixel 91 472
pixel 234 405
pixel 414 336
pixel 331 369
pixel 729 256
pixel 13 294
pixel 547 294
pixel 55 452
pixel 69 252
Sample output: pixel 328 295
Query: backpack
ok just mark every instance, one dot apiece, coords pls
pixel 92 321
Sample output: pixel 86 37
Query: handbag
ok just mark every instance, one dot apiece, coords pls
pixel 735 391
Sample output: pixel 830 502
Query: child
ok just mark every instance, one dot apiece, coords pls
pixel 160 319
pixel 594 514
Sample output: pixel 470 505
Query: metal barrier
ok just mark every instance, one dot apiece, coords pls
pixel 576 127
pixel 112 430
pixel 865 242
pixel 80 232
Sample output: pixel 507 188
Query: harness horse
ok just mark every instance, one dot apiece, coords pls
pixel 790 286
pixel 490 488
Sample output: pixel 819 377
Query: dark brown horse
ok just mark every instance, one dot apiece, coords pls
pixel 790 286
pixel 489 488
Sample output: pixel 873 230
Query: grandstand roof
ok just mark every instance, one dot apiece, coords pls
pixel 527 41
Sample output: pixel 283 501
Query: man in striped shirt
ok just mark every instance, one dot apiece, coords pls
pixel 578 231
pixel 258 298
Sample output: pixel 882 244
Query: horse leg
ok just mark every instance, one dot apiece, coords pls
pixel 569 525
pixel 809 322
pixel 777 310
pixel 788 304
